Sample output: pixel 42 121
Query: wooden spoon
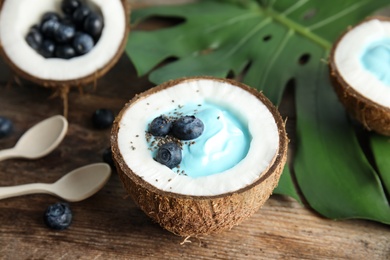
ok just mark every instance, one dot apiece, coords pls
pixel 77 185
pixel 39 140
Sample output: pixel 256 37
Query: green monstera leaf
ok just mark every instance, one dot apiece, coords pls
pixel 270 45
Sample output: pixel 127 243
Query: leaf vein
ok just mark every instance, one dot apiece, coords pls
pixel 275 56
pixel 294 7
pixel 248 36
pixel 336 16
pixel 232 21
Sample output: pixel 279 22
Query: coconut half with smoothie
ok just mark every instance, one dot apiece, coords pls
pixel 360 71
pixel 201 154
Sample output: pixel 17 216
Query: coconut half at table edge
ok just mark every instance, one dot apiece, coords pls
pixel 192 215
pixel 359 94
pixel 57 74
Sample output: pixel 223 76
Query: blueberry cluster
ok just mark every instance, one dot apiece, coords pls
pixel 67 36
pixel 183 128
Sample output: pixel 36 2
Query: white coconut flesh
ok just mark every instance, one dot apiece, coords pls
pixel 18 16
pixel 135 150
pixel 367 41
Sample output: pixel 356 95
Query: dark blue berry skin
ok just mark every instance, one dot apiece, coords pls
pixel 160 126
pixel 169 154
pixel 102 118
pixel 49 27
pixel 65 51
pixel 50 16
pixel 47 48
pixel 83 43
pixel 34 38
pixel 6 127
pixel 69 6
pixel 67 20
pixel 93 24
pixel 64 33
pixel 80 14
pixel 187 128
pixel 58 216
pixel 78 26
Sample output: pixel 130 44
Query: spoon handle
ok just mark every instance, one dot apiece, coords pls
pixel 7 154
pixel 18 190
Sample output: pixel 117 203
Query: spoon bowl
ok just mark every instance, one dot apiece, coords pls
pixel 39 140
pixel 82 182
pixel 77 185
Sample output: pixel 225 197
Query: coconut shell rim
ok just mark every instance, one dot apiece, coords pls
pixel 279 158
pixel 85 80
pixel 334 72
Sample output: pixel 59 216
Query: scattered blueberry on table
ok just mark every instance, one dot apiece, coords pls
pixel 103 118
pixel 58 216
pixel 6 126
pixel 68 36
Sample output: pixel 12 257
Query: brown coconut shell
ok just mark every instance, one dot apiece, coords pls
pixel 373 116
pixel 186 215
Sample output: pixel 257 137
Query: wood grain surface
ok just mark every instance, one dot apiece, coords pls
pixel 110 226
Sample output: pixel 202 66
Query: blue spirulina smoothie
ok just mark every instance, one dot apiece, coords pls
pixel 224 142
pixel 375 58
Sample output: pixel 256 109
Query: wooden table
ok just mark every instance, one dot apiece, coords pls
pixel 110 226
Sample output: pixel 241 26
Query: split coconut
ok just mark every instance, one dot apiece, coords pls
pixel 360 72
pixel 17 17
pixel 225 175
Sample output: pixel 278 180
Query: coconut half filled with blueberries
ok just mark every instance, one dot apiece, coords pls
pixel 62 43
pixel 199 155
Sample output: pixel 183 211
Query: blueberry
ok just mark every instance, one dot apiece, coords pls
pixel 82 43
pixel 34 38
pixel 50 16
pixel 169 154
pixel 187 128
pixel 69 6
pixel 160 126
pixel 80 14
pixel 47 48
pixel 58 216
pixel 102 118
pixel 65 51
pixel 93 24
pixel 49 27
pixel 107 157
pixel 64 33
pixel 6 126
pixel 67 20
